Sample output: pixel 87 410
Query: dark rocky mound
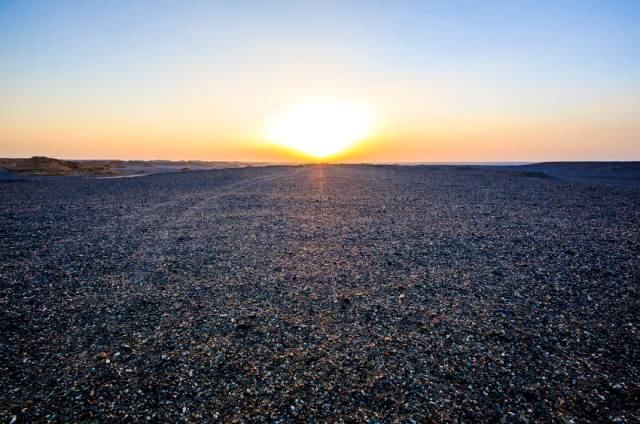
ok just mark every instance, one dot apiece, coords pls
pixel 618 173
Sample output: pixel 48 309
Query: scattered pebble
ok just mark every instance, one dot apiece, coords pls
pixel 348 293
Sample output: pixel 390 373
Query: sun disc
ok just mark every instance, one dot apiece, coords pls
pixel 321 129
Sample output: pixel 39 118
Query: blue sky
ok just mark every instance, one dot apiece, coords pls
pixel 502 64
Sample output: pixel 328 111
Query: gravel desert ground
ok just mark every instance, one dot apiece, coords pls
pixel 320 293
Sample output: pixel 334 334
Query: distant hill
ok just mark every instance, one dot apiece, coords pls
pixel 618 173
pixel 40 165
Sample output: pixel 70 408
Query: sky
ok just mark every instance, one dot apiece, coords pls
pixel 442 81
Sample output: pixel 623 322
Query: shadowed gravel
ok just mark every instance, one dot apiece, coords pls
pixel 328 293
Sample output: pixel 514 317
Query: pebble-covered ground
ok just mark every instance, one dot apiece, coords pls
pixel 319 293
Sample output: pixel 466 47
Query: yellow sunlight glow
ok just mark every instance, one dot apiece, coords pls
pixel 321 129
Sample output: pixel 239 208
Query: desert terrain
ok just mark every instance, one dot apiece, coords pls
pixel 45 166
pixel 322 293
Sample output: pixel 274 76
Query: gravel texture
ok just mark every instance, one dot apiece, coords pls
pixel 322 293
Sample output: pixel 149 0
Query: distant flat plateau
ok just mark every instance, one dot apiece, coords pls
pixel 352 293
pixel 610 173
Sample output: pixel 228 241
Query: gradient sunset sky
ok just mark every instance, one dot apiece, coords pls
pixel 446 81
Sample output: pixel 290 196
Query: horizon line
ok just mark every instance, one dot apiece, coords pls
pixel 320 162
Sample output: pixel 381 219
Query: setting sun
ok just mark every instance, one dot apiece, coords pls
pixel 321 129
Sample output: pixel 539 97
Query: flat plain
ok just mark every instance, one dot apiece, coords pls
pixel 326 293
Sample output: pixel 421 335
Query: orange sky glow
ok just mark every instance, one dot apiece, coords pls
pixel 536 82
